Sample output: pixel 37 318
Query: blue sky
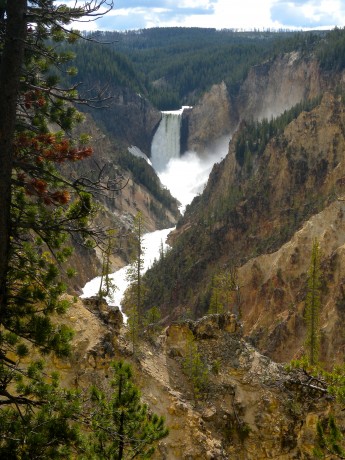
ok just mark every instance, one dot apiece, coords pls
pixel 238 14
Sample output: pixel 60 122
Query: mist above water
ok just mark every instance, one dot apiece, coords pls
pixel 187 175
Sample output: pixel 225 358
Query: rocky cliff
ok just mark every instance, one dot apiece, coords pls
pixel 250 408
pixel 210 120
pixel 278 84
pixel 269 89
pixel 129 118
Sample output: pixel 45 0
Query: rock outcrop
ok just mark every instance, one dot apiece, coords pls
pixel 210 120
pixel 277 85
pixel 130 119
pixel 251 408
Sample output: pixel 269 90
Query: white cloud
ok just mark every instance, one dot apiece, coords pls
pixel 309 13
pixel 243 14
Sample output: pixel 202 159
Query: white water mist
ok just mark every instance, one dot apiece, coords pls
pixel 187 175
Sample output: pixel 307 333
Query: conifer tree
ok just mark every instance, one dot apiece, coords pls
pixel 330 440
pixel 196 369
pixel 107 286
pixel 224 292
pixel 39 211
pixel 312 306
pixel 124 428
pixel 135 295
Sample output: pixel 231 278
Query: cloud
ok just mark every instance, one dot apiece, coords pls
pixel 127 4
pixel 240 14
pixel 138 14
pixel 175 7
pixel 308 13
pixel 122 22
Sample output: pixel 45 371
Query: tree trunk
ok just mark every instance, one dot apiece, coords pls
pixel 10 71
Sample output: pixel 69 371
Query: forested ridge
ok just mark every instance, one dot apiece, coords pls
pixel 174 66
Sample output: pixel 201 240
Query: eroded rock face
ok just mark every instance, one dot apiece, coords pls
pixel 277 85
pixel 94 344
pixel 269 89
pixel 251 408
pixel 276 287
pixel 131 119
pixel 111 316
pixel 273 208
pixel 210 120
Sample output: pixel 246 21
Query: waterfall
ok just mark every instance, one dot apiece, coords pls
pixel 184 176
pixel 166 141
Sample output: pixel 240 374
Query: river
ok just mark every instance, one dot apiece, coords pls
pixel 185 176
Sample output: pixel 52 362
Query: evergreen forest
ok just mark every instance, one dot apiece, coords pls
pixel 174 66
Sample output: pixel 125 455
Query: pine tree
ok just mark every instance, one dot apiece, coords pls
pixel 225 292
pixel 216 305
pixel 196 369
pixel 107 286
pixel 312 306
pixel 135 295
pixel 123 428
pixel 39 211
pixel 330 440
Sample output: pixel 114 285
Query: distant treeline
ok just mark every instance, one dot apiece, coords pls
pixel 174 66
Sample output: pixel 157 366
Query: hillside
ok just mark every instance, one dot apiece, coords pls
pixel 284 167
pixel 250 407
pixel 275 178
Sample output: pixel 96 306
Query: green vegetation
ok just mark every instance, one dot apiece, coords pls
pixel 123 428
pixel 134 296
pixel 41 422
pixel 331 52
pixel 151 321
pixel 312 307
pixel 330 439
pixel 107 286
pixel 145 175
pixel 314 381
pixel 223 292
pixel 101 67
pixel 174 66
pixel 254 137
pixel 40 210
pixel 196 369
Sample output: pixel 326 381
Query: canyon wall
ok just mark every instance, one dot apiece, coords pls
pixel 269 89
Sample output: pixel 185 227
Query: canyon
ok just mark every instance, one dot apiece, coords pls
pixel 259 215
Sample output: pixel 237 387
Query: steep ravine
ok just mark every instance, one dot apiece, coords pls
pixel 129 193
pixel 261 217
pixel 253 209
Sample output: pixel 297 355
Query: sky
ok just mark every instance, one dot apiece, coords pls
pixel 221 14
